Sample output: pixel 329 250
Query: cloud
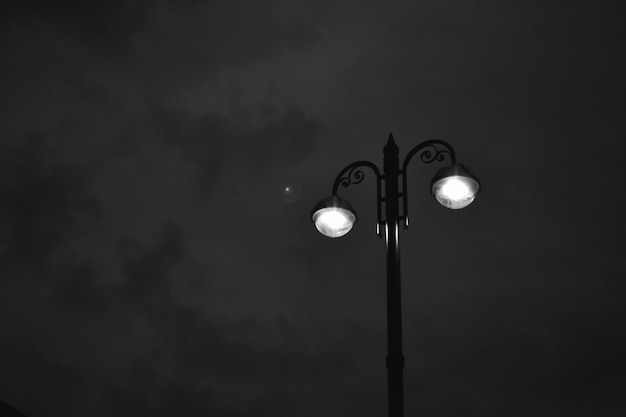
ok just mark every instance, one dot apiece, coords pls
pixel 132 346
pixel 44 204
pixel 149 267
pixel 195 36
pixel 101 248
pixel 109 26
pixel 219 147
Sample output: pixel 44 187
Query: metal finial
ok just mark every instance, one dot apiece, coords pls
pixel 390 148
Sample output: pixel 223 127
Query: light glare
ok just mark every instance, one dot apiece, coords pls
pixel 455 192
pixel 455 189
pixel 333 221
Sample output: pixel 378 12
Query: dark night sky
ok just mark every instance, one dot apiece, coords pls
pixel 151 266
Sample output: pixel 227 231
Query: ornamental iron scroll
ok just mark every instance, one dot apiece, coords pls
pixel 431 151
pixel 427 156
pixel 352 174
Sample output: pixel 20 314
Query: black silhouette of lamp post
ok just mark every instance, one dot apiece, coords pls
pixel 453 186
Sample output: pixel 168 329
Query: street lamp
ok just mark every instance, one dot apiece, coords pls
pixel 333 216
pixel 454 187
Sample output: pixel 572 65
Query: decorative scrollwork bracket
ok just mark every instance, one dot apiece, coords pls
pixel 431 151
pixel 352 174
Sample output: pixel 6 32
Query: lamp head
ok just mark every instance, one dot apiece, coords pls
pixel 454 186
pixel 333 216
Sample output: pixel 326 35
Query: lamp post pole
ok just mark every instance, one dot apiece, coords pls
pixel 454 187
pixel 395 358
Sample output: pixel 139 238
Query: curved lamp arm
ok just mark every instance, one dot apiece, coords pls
pixel 431 150
pixel 352 174
pixel 428 147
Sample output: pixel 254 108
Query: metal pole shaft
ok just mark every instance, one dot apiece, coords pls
pixel 395 358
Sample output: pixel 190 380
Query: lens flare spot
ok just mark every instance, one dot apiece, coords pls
pixel 289 191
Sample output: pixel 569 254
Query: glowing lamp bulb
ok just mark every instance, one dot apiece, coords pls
pixel 333 217
pixel 455 187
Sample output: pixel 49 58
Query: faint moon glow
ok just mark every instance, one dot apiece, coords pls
pixel 289 191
